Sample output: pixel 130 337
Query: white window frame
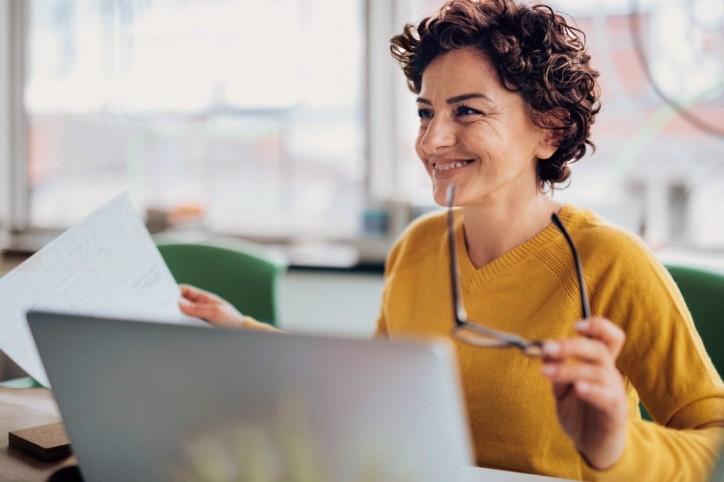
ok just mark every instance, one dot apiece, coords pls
pixel 13 122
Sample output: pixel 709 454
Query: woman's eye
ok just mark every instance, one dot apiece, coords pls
pixel 465 110
pixel 424 113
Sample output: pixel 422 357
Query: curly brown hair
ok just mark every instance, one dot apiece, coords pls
pixel 536 53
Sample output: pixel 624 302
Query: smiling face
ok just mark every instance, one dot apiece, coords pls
pixel 476 133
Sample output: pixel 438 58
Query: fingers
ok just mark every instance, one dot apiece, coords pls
pixel 604 331
pixel 602 343
pixel 193 293
pixel 569 373
pixel 589 389
pixel 584 379
pixel 195 307
pixel 586 365
pixel 198 303
pixel 209 307
pixel 581 349
pixel 602 396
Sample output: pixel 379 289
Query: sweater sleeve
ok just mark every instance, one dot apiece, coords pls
pixel 665 361
pixel 655 453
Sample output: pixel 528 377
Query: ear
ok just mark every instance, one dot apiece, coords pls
pixel 552 122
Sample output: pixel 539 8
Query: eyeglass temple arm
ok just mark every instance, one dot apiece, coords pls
pixel 585 307
pixel 459 313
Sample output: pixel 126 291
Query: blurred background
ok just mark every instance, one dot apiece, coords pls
pixel 286 122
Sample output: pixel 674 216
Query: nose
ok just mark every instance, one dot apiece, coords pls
pixel 439 133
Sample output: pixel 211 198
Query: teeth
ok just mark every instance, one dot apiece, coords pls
pixel 448 166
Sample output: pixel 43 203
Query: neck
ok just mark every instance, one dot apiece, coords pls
pixel 493 228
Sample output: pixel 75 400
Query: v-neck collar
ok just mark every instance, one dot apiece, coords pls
pixel 470 274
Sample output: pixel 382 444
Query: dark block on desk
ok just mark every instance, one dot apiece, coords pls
pixel 45 442
pixel 67 474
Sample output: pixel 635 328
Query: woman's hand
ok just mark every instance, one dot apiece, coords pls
pixel 209 307
pixel 589 390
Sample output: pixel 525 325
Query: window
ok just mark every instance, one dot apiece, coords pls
pixel 288 119
pixel 248 112
pixel 653 172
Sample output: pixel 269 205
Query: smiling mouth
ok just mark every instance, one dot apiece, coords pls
pixel 450 165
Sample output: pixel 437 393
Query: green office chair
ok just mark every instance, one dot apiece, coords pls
pixel 243 273
pixel 703 291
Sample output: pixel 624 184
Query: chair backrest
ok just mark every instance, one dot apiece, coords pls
pixel 703 291
pixel 242 273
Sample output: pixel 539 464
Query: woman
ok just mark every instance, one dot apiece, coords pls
pixel 506 99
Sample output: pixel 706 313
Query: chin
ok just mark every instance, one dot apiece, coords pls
pixel 439 193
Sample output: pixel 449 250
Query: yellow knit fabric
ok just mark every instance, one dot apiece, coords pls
pixel 532 290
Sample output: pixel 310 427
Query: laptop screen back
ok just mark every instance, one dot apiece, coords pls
pixel 147 401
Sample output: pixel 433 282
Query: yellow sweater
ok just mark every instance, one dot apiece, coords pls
pixel 532 291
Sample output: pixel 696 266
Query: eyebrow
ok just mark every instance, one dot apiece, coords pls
pixel 458 98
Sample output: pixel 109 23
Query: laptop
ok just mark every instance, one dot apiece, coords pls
pixel 157 401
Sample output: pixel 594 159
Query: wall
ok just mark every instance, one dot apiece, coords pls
pixel 341 303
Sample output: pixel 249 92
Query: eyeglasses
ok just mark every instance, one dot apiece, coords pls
pixel 483 336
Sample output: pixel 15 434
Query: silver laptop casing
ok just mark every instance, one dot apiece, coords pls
pixel 153 401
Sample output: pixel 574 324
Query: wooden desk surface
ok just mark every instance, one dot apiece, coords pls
pixel 23 408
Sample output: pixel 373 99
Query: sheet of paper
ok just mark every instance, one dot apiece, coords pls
pixel 105 265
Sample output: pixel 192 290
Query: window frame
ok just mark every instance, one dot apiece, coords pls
pixel 13 124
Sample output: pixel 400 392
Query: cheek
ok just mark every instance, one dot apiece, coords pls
pixel 419 151
pixel 480 141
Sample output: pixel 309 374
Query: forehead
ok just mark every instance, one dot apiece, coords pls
pixel 462 70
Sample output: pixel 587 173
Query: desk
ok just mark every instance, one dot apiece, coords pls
pixel 23 408
pixel 28 407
